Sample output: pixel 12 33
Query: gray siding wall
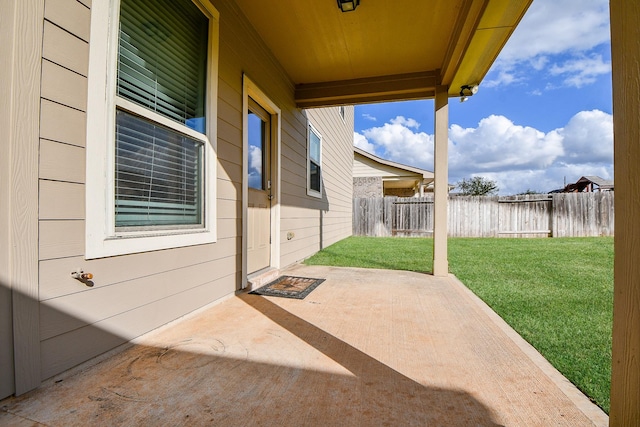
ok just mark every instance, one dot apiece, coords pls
pixel 318 222
pixel 133 294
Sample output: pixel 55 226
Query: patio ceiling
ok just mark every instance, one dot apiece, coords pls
pixel 386 49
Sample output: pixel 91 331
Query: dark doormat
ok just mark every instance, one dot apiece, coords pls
pixel 289 287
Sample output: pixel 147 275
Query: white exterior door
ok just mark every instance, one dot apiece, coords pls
pixel 259 192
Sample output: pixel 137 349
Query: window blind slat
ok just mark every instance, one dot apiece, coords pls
pixel 162 58
pixel 179 77
pixel 162 64
pixel 158 174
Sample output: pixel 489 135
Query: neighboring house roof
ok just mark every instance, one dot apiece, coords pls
pixel 386 167
pixel 395 176
pixel 604 184
pixel 584 182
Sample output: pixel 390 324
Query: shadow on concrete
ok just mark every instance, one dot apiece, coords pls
pixel 202 371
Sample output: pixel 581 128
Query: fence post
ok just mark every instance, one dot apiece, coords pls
pixel 389 213
pixel 569 215
pixel 552 214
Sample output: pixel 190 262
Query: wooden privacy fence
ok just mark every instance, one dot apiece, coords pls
pixel 534 215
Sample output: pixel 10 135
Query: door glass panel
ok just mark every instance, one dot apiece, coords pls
pixel 256 151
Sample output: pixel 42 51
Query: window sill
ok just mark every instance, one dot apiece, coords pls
pixel 130 244
pixel 313 193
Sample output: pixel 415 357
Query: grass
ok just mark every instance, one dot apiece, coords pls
pixel 556 293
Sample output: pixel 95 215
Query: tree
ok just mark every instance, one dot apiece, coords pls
pixel 529 191
pixel 477 186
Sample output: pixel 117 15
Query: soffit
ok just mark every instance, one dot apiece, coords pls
pixel 385 49
pixel 400 183
pixel 393 169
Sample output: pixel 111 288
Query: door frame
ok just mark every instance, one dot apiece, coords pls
pixel 250 89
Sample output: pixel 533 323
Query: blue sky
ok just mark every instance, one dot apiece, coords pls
pixel 541 115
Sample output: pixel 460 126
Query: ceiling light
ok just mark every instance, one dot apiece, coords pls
pixel 348 5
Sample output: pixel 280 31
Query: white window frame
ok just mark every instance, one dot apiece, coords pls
pixel 102 239
pixel 310 191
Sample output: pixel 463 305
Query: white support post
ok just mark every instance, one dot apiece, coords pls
pixel 441 185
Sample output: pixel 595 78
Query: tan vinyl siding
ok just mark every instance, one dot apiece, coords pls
pixel 133 294
pixel 61 162
pixel 114 270
pixel 63 86
pixel 62 47
pixel 110 332
pixel 62 124
pixel 51 195
pixel 71 15
pixel 318 223
pixel 61 239
pixel 61 315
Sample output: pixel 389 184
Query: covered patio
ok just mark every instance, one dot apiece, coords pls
pixel 365 348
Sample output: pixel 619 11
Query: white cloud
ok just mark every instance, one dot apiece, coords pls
pixel 255 159
pixel 517 157
pixel 498 144
pixel 361 142
pixel 539 63
pixel 581 71
pixel 557 26
pixel 255 167
pixel 369 117
pixel 400 141
pixel 588 137
pixel 557 37
pixel 545 180
pixel 506 76
pixel 410 123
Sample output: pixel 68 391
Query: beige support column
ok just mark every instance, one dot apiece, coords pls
pixel 625 59
pixel 441 178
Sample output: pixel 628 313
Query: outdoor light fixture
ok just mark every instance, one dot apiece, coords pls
pixel 466 91
pixel 348 5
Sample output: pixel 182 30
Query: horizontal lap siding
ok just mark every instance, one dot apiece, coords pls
pixel 300 213
pixel 83 343
pixel 318 222
pixel 133 294
pixel 61 315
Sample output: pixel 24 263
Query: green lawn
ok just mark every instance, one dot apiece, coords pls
pixel 557 293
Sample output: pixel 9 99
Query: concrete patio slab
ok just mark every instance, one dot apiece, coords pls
pixel 366 348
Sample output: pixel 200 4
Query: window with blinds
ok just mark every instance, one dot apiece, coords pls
pixel 314 153
pixel 157 174
pixel 162 67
